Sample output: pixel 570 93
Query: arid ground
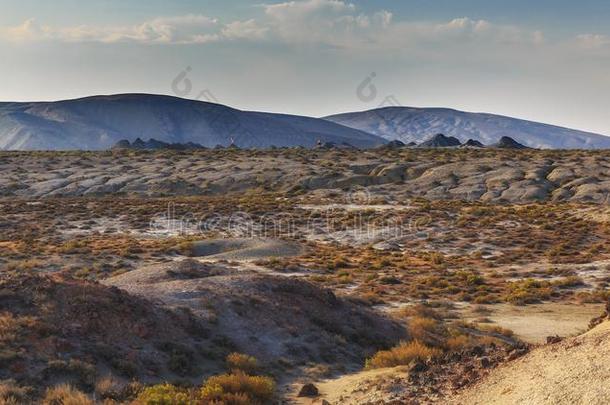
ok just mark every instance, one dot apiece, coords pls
pixel 293 275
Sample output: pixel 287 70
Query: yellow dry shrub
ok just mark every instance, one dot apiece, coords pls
pixel 65 394
pixel 402 355
pixel 242 362
pixel 225 387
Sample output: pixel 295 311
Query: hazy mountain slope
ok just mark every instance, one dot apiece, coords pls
pixel 99 122
pixel 418 124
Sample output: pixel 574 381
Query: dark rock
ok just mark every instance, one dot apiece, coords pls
pixel 419 367
pixel 477 351
pixel 507 142
pixel 441 141
pixel 485 362
pixel 395 144
pixel 122 144
pixel 138 144
pixel 326 145
pixel 153 144
pixel 472 143
pixel 309 391
pixel 553 339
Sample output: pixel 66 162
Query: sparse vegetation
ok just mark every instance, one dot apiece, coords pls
pixel 65 395
pixel 442 278
pixel 238 388
pixel 403 354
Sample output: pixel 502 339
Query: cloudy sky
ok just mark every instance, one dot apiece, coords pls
pixel 545 60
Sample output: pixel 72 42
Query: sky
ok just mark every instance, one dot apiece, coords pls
pixel 543 60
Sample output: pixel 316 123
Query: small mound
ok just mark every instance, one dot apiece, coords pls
pixel 573 371
pixel 285 322
pixel 244 249
pixel 59 330
pixel 187 269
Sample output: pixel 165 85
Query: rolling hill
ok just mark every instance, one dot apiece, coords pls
pixel 409 124
pixel 99 122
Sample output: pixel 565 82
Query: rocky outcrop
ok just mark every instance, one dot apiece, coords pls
pixel 440 141
pixel 153 144
pixel 507 142
pixel 472 143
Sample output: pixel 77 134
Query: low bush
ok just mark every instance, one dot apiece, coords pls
pixel 165 394
pixel 11 393
pixel 65 395
pixel 402 355
pixel 528 292
pixel 242 362
pixel 238 387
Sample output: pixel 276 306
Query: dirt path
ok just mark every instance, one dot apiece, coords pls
pixel 350 389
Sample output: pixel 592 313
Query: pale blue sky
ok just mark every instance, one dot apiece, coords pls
pixel 545 60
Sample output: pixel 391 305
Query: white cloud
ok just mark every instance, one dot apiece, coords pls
pixel 593 41
pixel 299 10
pixel 328 23
pixel 28 31
pixel 166 30
pixel 249 30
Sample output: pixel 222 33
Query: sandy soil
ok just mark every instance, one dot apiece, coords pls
pixel 575 371
pixel 533 323
pixel 346 389
pixel 245 249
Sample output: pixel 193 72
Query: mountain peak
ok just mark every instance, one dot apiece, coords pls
pixel 472 143
pixel 441 141
pixel 506 142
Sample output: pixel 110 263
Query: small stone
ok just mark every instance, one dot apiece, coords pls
pixel 477 351
pixel 309 390
pixel 419 367
pixel 485 363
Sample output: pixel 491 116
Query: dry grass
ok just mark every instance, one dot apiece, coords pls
pixel 237 362
pixel 11 393
pixel 165 394
pixel 65 395
pixel 11 326
pixel 402 355
pixel 225 387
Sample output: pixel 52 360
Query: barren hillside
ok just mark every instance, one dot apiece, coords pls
pixel 574 371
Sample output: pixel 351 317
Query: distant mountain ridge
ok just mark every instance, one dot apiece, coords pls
pixel 99 122
pixel 409 124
